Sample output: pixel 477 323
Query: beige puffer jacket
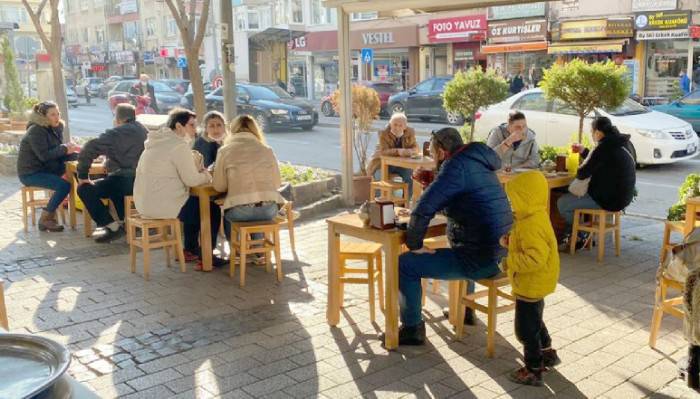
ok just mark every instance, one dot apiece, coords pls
pixel 689 259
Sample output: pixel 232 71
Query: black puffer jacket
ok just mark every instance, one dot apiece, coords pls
pixel 121 145
pixel 208 148
pixel 611 168
pixel 477 208
pixel 42 148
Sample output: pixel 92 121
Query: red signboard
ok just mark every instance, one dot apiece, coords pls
pixel 43 57
pixel 695 32
pixel 315 41
pixel 457 29
pixel 97 68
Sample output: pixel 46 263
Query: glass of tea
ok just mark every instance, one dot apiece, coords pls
pixel 424 176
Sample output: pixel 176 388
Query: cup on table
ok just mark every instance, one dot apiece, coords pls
pixel 561 163
pixel 577 148
pixel 424 176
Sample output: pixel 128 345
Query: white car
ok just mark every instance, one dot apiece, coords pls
pixel 658 138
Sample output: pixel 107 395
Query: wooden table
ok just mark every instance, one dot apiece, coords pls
pixel 407 163
pixel 205 193
pixel 391 240
pixel 72 171
pixel 553 182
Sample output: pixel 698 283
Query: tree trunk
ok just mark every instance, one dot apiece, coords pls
pixel 59 91
pixel 200 107
pixel 471 127
pixel 580 128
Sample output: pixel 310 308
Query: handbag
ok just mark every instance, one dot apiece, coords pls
pixel 579 187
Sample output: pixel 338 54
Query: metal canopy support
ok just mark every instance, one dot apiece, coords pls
pixel 346 133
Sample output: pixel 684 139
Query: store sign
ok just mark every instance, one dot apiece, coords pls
pixel 315 41
pixel 375 38
pixel 662 20
pixel 694 32
pixel 517 11
pixel 589 29
pixel 653 5
pixel 670 34
pixel 619 28
pixel 458 29
pixel 148 57
pixel 518 30
pixel 403 36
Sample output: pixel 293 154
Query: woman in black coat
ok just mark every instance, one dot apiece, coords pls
pixel 42 158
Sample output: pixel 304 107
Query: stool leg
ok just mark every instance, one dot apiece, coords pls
pixel 370 278
pixel 290 228
pixel 243 253
pixel 178 247
pixel 165 236
pixel 341 284
pixel 24 210
pixel 380 279
pixel 453 288
pixel 278 255
pixel 601 238
pixel 268 237
pixel 461 306
pixel 132 247
pixel 657 316
pixel 436 286
pixel 232 261
pixel 423 290
pixel 664 243
pixel 617 234
pixel 574 233
pixel 491 334
pixel 31 199
pixel 4 323
pixel 146 253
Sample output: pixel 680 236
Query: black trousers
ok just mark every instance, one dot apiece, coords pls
pixel 189 215
pixel 114 188
pixel 531 331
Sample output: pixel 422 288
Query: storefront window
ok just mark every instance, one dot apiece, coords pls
pixel 253 20
pixel 325 76
pixel 391 67
pixel 529 64
pixel 665 60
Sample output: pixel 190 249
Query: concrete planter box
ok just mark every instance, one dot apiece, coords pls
pixel 308 193
pixel 8 164
pixel 12 137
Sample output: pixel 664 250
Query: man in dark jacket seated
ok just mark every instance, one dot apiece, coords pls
pixel 122 146
pixel 467 190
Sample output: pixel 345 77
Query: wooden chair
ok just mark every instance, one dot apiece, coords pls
pixel 290 215
pixel 684 227
pixel 601 222
pixel 30 202
pixel 243 244
pixel 4 323
pixel 372 254
pixel 662 304
pixel 166 234
pixel 492 292
pixel 387 189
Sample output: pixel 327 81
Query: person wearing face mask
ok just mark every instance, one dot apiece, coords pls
pixel 611 169
pixel 145 88
pixel 122 145
pixel 42 159
pixel 168 168
pixel 207 144
pixel 469 193
pixel 398 140
pixel 515 143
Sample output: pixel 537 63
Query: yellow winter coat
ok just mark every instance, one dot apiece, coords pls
pixel 533 256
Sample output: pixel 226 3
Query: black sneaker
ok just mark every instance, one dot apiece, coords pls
pixel 110 235
pixel 550 358
pixel 410 336
pixel 469 316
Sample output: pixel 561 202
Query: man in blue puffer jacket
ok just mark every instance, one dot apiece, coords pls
pixel 478 214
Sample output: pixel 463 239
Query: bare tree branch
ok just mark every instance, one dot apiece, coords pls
pixel 203 19
pixel 175 11
pixel 192 15
pixel 36 20
pixel 41 8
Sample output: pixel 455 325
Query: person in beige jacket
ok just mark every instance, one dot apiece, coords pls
pixel 247 171
pixel 398 140
pixel 168 168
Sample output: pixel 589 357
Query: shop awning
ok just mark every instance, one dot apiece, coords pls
pixel 276 34
pixel 592 47
pixel 513 47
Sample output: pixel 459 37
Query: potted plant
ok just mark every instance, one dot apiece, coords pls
pixel 365 109
pixel 470 90
pixel 14 98
pixel 689 189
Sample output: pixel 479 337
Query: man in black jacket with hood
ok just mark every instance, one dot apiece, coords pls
pixel 122 145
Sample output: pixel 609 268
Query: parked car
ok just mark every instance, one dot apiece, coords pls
pixel 269 105
pixel 657 138
pixel 384 89
pixel 91 85
pixel 71 97
pixel 166 98
pixel 110 82
pixel 687 108
pixel 179 85
pixel 187 101
pixel 424 101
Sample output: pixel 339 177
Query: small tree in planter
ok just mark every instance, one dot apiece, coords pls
pixel 470 90
pixel 14 96
pixel 689 189
pixel 365 109
pixel 585 87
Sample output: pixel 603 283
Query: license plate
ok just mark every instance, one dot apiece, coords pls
pixel 691 149
pixel 304 117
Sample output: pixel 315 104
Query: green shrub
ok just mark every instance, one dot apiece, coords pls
pixel 300 174
pixel 690 188
pixel 549 153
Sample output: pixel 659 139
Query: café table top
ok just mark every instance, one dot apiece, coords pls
pixel 409 162
pixel 560 180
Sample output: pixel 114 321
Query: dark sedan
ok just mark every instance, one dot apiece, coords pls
pixel 424 101
pixel 270 106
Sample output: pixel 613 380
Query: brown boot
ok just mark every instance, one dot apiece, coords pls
pixel 48 222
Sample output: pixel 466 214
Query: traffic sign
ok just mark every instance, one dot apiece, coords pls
pixel 367 55
pixel 182 62
pixel 217 82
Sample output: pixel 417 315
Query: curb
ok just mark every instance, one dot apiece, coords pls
pixel 420 133
pixel 645 216
pixel 320 207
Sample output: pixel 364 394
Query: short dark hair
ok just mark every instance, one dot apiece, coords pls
pixel 125 113
pixel 179 115
pixel 448 139
pixel 515 116
pixel 605 126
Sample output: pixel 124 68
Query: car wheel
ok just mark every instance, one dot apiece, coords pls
pixel 307 128
pixel 455 118
pixel 262 122
pixel 327 109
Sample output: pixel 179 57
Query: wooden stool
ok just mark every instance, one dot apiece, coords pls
pixel 372 254
pixel 290 215
pixel 242 244
pixel 4 323
pixel 662 304
pixel 599 225
pixel 386 190
pixel 30 202
pixel 493 291
pixel 129 211
pixel 168 234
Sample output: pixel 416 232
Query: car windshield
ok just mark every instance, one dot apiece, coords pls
pixel 264 93
pixel 160 87
pixel 278 91
pixel 628 107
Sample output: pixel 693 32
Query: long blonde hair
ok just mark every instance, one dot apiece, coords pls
pixel 244 123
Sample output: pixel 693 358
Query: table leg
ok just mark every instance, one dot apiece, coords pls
pixel 385 171
pixel 453 301
pixel 333 309
pixel 205 232
pixel 391 291
pixel 87 222
pixel 690 219
pixel 417 191
pixel 71 201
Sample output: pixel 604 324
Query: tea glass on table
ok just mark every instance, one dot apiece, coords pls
pixel 424 176
pixel 561 163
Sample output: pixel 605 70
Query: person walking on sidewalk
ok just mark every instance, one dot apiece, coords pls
pixel 42 157
pixel 532 266
pixel 122 146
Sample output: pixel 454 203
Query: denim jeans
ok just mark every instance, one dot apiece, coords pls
pixel 251 214
pixel 406 176
pixel 113 187
pixel 189 216
pixel 444 264
pixel 569 203
pixel 531 331
pixel 60 187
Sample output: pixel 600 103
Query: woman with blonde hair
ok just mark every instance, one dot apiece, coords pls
pixel 247 171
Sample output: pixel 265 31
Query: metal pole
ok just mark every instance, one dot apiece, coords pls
pixel 228 60
pixel 346 131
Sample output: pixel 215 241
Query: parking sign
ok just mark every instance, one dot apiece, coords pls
pixel 367 55
pixel 182 62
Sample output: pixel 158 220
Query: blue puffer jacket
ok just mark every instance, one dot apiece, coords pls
pixel 475 204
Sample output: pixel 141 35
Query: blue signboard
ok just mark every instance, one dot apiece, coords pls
pixel 182 62
pixel 367 55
